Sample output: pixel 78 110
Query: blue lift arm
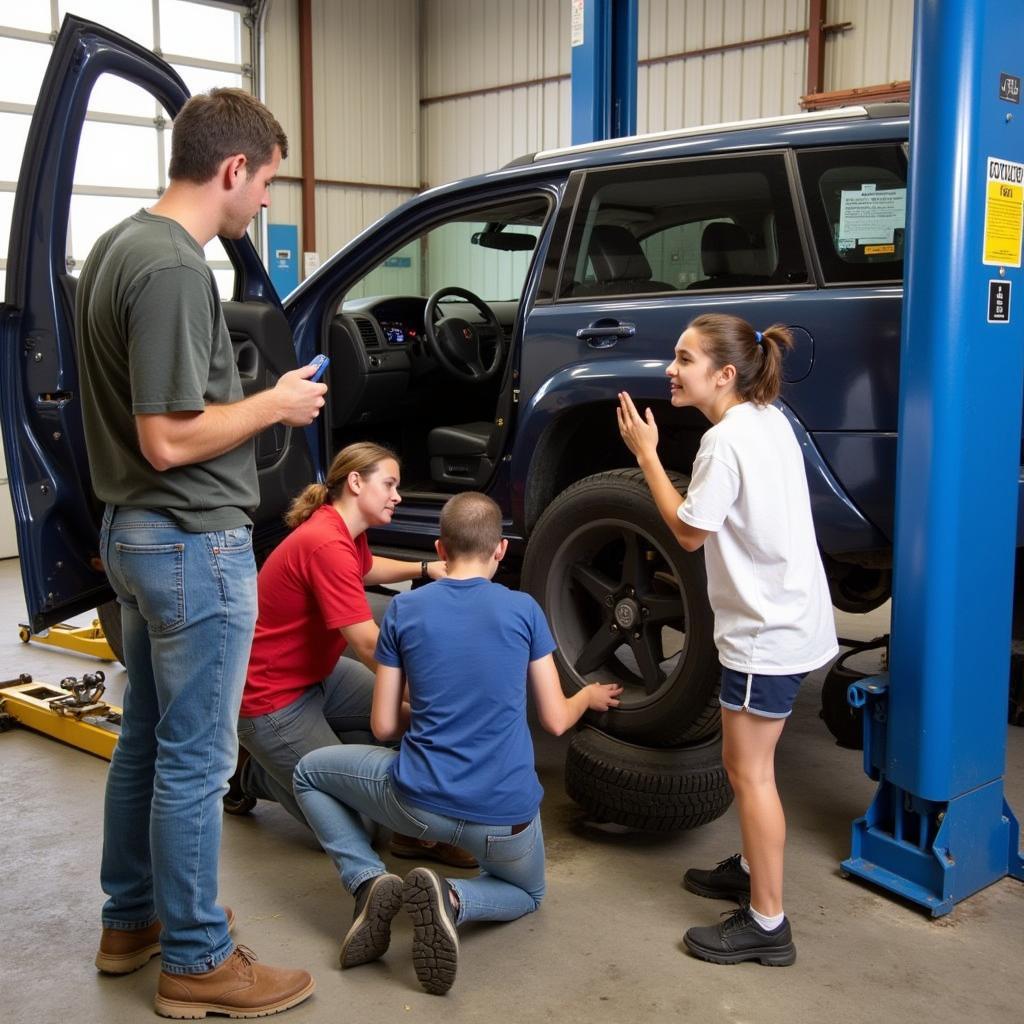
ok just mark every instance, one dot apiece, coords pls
pixel 603 69
pixel 939 828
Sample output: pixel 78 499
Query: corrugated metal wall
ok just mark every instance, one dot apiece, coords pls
pixel 469 45
pixel 391 79
pixel 366 77
pixel 757 81
pixel 876 49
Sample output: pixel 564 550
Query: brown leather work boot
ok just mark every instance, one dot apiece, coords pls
pixel 424 849
pixel 238 987
pixel 123 951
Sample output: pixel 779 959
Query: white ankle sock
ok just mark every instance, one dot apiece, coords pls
pixel 769 924
pixel 744 864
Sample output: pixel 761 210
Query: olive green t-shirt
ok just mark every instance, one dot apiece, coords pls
pixel 152 339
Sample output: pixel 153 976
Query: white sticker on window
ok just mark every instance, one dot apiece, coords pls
pixel 871 215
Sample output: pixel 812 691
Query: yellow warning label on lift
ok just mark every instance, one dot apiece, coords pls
pixel 878 250
pixel 1004 212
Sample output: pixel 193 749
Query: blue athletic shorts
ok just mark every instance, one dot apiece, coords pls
pixel 769 696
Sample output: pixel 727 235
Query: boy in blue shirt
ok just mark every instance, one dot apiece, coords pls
pixel 464 773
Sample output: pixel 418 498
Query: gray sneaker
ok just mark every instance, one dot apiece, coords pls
pixel 377 902
pixel 725 881
pixel 435 941
pixel 739 937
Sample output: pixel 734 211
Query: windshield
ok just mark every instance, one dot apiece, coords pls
pixel 487 252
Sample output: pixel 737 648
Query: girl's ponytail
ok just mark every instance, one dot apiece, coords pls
pixel 757 355
pixel 774 342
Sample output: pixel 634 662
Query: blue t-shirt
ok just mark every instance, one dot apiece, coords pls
pixel 465 646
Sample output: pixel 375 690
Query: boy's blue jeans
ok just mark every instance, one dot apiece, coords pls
pixel 188 610
pixel 337 784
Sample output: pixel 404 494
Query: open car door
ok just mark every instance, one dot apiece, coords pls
pixel 56 513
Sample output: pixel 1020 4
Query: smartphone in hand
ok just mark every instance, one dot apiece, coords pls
pixel 320 362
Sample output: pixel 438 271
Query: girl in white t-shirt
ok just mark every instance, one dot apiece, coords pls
pixel 748 506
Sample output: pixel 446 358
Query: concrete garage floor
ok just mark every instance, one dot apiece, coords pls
pixel 605 946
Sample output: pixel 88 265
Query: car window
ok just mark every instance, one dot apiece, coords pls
pixel 857 201
pixel 486 251
pixel 693 225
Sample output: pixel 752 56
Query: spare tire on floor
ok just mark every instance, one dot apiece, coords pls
pixel 655 789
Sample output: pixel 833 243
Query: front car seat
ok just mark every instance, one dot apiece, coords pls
pixel 619 263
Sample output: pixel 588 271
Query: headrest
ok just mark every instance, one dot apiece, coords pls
pixel 616 255
pixel 725 249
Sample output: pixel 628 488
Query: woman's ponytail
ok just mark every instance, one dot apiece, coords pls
pixel 305 504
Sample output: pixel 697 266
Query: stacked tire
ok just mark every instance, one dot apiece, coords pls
pixel 626 603
pixel 649 788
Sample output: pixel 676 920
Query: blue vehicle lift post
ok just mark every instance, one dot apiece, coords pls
pixel 603 69
pixel 939 828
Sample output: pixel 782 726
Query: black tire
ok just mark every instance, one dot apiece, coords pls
pixel 857 589
pixel 846 723
pixel 618 590
pixel 649 788
pixel 109 615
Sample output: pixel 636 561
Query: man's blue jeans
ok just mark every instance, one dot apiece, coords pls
pixel 334 711
pixel 188 610
pixel 337 784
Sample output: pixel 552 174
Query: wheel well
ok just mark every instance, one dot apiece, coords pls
pixel 584 441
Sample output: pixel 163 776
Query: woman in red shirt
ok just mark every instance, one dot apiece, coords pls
pixel 300 693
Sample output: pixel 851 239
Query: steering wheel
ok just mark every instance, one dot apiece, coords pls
pixel 455 342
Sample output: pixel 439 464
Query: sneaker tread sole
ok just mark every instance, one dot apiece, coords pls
pixel 435 943
pixel 370 934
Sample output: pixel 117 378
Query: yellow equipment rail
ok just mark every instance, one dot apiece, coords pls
pixel 81 639
pixel 73 714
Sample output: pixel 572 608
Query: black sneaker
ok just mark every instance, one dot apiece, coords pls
pixel 725 881
pixel 435 942
pixel 235 799
pixel 739 937
pixel 377 901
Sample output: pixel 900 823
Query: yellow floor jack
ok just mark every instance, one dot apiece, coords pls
pixel 81 639
pixel 75 714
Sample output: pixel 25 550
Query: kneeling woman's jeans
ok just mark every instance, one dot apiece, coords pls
pixel 337 784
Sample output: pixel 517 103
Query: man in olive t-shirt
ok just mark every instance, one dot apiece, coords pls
pixel 169 437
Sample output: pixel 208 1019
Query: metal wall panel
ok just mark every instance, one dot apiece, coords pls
pixel 876 49
pixel 280 85
pixel 489 44
pixel 388 74
pixel 757 81
pixel 366 90
pixel 365 111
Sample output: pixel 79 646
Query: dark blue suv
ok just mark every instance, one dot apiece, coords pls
pixel 483 330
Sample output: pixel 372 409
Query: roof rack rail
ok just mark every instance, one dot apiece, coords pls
pixel 708 129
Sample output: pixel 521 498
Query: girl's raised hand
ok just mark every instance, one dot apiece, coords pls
pixel 639 434
pixel 602 696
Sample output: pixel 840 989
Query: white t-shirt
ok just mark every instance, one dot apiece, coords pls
pixel 766 583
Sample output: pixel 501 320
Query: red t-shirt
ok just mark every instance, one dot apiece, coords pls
pixel 310 586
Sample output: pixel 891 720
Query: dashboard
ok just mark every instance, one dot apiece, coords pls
pixel 380 361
